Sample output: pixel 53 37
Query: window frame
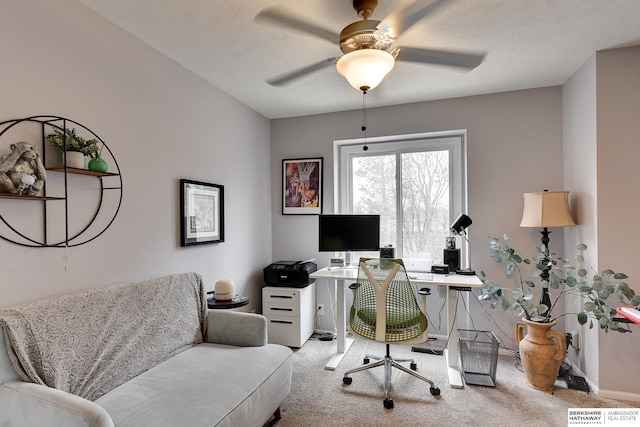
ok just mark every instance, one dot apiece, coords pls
pixel 454 141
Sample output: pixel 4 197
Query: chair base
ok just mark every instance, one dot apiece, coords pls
pixel 388 362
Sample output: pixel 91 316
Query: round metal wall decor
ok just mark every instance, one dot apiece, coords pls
pixel 64 206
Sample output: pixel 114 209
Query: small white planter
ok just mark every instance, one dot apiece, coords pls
pixel 75 159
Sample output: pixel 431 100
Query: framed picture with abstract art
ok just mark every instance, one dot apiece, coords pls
pixel 201 213
pixel 302 186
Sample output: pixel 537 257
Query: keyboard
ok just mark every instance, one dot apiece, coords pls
pixel 631 313
pixel 419 275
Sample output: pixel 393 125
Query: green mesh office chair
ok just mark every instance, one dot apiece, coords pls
pixel 385 309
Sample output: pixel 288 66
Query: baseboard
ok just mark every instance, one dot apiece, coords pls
pixel 609 394
pixel 619 395
pixel 324 331
pixel 327 331
pixel 505 352
pixel 431 336
pixel 438 337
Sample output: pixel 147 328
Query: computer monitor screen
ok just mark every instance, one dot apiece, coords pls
pixel 342 233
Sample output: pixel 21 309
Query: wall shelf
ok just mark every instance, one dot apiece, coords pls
pixel 77 171
pixel 18 197
pixel 106 209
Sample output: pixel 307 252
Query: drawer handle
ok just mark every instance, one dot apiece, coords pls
pixel 282 296
pixel 281 309
pixel 282 321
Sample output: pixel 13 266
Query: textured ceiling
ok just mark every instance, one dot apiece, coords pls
pixel 529 43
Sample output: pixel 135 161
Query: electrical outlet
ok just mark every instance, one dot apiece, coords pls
pixel 320 309
pixel 575 339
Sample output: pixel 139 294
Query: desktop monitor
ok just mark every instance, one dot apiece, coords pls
pixel 344 233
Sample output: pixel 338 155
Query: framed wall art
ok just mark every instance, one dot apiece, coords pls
pixel 201 213
pixel 302 186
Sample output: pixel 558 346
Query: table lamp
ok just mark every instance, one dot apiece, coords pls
pixel 459 227
pixel 224 290
pixel 546 209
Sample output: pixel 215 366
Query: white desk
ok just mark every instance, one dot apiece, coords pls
pixel 349 275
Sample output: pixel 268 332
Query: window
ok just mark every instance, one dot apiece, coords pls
pixel 415 182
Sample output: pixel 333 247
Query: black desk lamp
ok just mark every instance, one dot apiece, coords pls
pixel 459 227
pixel 546 209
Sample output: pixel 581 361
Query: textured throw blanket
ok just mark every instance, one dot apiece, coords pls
pixel 91 341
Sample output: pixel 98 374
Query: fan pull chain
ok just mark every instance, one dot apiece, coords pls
pixel 364 119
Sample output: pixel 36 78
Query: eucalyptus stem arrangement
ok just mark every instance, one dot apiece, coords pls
pixel 74 142
pixel 564 279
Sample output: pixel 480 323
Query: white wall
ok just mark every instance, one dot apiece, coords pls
pixel 514 146
pixel 163 123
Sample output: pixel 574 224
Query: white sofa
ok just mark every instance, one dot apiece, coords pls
pixel 141 354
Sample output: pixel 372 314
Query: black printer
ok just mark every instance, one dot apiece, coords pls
pixel 291 274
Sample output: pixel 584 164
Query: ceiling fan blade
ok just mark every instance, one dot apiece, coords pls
pixel 285 17
pixel 467 60
pixel 301 72
pixel 400 20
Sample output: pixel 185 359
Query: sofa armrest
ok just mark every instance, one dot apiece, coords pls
pixel 236 328
pixel 31 404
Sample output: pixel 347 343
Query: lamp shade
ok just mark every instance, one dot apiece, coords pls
pixel 364 69
pixel 461 223
pixel 546 209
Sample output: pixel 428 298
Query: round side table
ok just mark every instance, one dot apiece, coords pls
pixel 237 301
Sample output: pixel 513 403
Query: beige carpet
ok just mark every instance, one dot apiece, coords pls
pixel 318 396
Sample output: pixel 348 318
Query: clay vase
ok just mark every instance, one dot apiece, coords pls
pixel 541 351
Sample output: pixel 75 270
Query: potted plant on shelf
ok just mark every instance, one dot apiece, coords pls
pixel 77 148
pixel 542 349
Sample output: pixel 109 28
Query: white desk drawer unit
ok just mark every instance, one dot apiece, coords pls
pixel 281 309
pixel 289 313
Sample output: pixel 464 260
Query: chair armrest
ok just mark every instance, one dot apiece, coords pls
pixel 25 403
pixel 236 328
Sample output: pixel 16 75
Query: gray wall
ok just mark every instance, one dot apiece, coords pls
pixel 163 123
pixel 600 110
pixel 580 171
pixel 581 137
pixel 514 146
pixel 618 148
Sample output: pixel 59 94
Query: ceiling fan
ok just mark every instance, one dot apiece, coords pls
pixel 368 47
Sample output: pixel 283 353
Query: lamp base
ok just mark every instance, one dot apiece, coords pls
pixel 466 272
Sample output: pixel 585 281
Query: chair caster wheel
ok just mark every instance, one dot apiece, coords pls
pixel 435 391
pixel 388 403
pixel 414 366
pixel 347 380
pixel 366 361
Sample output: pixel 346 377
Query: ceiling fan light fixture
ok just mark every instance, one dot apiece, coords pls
pixel 364 69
